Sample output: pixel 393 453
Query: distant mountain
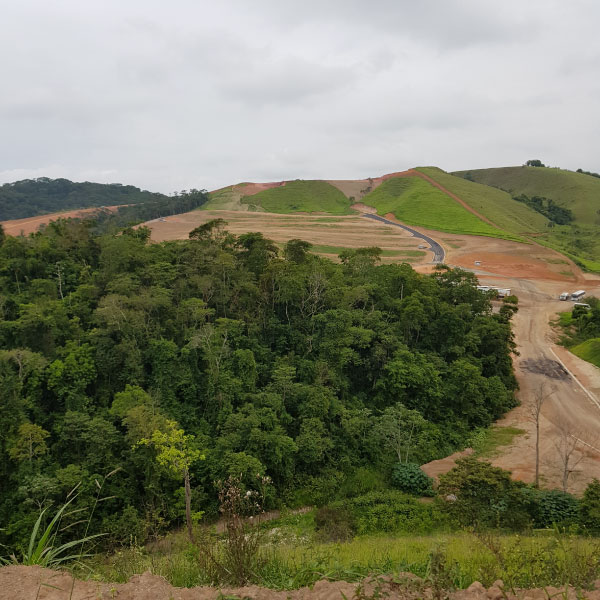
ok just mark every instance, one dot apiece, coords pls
pixel 33 197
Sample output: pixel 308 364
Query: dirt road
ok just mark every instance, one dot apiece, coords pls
pixel 569 409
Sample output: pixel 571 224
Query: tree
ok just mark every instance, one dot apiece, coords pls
pixel 589 507
pixel 566 443
pixel 30 443
pixel 295 250
pixel 535 163
pixel 176 453
pixel 540 395
pixel 401 430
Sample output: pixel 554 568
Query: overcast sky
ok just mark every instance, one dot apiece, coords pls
pixel 190 93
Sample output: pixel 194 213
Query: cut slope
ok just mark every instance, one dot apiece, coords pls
pixel 494 204
pixel 301 196
pixel 576 191
pixel 414 201
pixel 588 350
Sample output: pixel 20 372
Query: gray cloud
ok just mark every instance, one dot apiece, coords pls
pixel 200 94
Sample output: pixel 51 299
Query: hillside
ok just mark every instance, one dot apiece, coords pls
pixel 578 192
pixel 588 350
pixel 33 197
pixel 416 202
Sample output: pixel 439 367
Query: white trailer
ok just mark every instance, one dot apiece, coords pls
pixel 578 294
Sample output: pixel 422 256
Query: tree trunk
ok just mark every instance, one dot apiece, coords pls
pixel 188 505
pixel 537 452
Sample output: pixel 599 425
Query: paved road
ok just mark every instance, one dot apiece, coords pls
pixel 438 251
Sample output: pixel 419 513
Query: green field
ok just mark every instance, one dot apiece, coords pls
pixel 225 199
pixel 588 350
pixel 416 202
pixel 494 204
pixel 301 196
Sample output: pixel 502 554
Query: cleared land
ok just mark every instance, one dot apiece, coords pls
pixel 32 224
pixel 330 235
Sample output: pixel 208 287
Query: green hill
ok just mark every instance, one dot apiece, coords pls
pixel 494 204
pixel 416 202
pixel 588 350
pixel 300 196
pixel 32 197
pixel 578 192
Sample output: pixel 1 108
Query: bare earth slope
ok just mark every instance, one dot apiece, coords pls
pixel 28 583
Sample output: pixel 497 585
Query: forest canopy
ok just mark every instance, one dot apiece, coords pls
pixel 273 363
pixel 32 197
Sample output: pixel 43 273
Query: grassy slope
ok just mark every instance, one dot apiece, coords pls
pixel 301 196
pixel 416 202
pixel 588 350
pixel 496 205
pixel 225 199
pixel 579 192
pixel 576 191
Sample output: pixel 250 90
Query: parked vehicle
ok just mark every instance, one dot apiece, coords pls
pixel 564 296
pixel 582 305
pixel 578 294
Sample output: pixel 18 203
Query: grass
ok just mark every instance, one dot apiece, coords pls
pixel 225 199
pixel 290 563
pixel 487 442
pixel 494 204
pixel 301 196
pixel 577 191
pixel 416 202
pixel 588 350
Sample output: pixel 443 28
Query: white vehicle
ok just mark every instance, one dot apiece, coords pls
pixel 564 296
pixel 582 305
pixel 578 294
pixel 502 292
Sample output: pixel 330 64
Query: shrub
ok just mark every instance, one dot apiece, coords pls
pixel 361 482
pixel 334 524
pixel 391 512
pixel 410 478
pixel 589 507
pixel 555 507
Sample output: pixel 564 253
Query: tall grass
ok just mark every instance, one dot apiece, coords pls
pixel 544 559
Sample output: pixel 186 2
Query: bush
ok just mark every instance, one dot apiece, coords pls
pixel 589 507
pixel 391 512
pixel 410 478
pixel 555 507
pixel 334 524
pixel 361 482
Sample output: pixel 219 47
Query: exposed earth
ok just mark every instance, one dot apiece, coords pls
pixel 28 583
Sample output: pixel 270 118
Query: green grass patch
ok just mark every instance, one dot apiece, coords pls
pixel 494 204
pixel 588 350
pixel 416 202
pixel 576 191
pixel 302 196
pixel 486 443
pixel 521 561
pixel 565 319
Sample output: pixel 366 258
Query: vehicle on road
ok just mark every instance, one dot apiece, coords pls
pixel 578 294
pixel 581 305
pixel 564 296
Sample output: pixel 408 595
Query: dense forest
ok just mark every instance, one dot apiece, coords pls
pixel 31 197
pixel 249 360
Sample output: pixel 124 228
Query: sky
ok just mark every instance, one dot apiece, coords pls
pixel 195 94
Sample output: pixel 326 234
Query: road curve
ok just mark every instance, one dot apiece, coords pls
pixel 438 251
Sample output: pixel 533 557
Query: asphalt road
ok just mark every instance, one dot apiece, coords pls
pixel 438 251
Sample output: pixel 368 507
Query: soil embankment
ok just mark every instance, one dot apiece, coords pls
pixel 27 583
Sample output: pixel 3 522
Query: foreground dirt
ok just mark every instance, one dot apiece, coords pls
pixel 28 583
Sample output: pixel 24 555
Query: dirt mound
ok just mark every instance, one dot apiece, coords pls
pixel 25 583
pixel 249 189
pixel 32 224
